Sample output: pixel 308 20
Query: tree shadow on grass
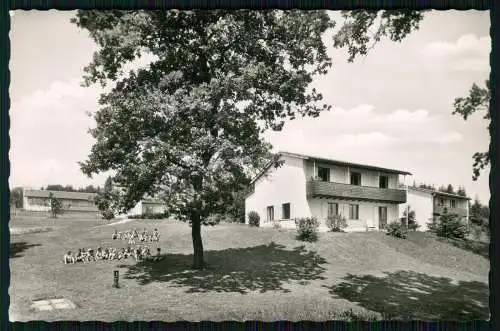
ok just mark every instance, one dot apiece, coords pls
pixel 259 268
pixel 17 248
pixel 416 296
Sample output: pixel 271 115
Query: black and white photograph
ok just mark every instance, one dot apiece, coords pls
pixel 239 165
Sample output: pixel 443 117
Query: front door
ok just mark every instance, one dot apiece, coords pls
pixel 382 218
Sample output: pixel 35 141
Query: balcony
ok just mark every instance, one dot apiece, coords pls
pixel 320 189
pixel 439 210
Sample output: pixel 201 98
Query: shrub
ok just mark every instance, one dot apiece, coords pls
pixel 397 229
pixel 449 226
pixel 307 228
pixel 336 223
pixel 412 223
pixel 253 218
pixel 213 219
pixel 276 225
pixel 108 215
pixel 153 216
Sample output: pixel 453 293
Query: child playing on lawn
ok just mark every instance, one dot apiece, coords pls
pixel 68 258
pixel 105 254
pixel 98 253
pixel 115 235
pixel 137 253
pixel 156 235
pixel 79 255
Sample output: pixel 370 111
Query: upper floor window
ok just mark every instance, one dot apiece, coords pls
pixel 355 178
pixel 383 182
pixel 324 174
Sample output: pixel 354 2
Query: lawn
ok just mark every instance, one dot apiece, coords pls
pixel 252 274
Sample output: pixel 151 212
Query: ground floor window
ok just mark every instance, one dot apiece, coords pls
pixel 286 211
pixel 354 212
pixel 270 213
pixel 333 209
pixel 382 217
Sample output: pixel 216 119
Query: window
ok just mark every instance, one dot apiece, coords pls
pixel 453 203
pixel 286 211
pixel 355 178
pixel 383 182
pixel 353 212
pixel 441 202
pixel 270 213
pixel 333 209
pixel 324 174
pixel 382 217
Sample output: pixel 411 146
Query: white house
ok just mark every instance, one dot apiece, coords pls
pixel 307 186
pixel 429 203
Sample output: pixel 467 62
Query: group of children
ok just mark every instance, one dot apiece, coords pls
pixel 89 255
pixel 132 235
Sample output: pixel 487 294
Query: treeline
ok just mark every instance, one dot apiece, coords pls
pixel 445 189
pixel 70 188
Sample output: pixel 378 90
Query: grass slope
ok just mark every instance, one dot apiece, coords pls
pixel 253 273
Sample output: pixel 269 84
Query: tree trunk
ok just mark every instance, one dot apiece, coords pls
pixel 198 261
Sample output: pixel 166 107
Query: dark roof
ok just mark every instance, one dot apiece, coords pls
pixel 437 192
pixel 59 194
pixel 337 162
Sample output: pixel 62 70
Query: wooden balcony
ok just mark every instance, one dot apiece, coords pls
pixel 439 210
pixel 320 189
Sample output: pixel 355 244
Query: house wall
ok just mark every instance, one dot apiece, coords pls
pixel 340 174
pixel 153 208
pixel 287 184
pixel 368 212
pixel 36 204
pixel 422 204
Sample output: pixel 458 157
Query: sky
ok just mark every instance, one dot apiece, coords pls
pixel 391 108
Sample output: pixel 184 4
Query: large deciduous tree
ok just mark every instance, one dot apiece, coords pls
pixel 187 127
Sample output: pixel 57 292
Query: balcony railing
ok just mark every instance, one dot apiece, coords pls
pixel 321 189
pixel 459 211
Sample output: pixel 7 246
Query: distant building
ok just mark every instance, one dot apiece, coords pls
pixel 430 203
pixel 306 186
pixel 39 200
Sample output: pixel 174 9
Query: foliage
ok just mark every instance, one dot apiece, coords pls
pixel 461 191
pixel 479 215
pixel 16 197
pixel 55 206
pixel 307 229
pixel 412 222
pixel 477 100
pixel 355 34
pixel 397 229
pixel 151 216
pixel 69 188
pixel 253 218
pixel 448 226
pixel 188 126
pixel 106 200
pixel 336 223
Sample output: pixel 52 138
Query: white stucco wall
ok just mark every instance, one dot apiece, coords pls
pixel 421 203
pixel 368 211
pixel 286 184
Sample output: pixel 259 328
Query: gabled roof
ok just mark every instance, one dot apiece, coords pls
pixel 331 161
pixel 437 192
pixel 59 194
